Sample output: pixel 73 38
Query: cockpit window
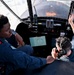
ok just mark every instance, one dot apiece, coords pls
pixel 52 8
pixel 17 6
pixel 43 8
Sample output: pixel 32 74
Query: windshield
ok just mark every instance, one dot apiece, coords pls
pixel 42 8
pixel 52 8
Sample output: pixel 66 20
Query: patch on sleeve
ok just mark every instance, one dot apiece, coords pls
pixel 0 42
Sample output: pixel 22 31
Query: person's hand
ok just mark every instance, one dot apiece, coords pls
pixel 70 20
pixel 54 54
pixel 49 59
pixel 19 40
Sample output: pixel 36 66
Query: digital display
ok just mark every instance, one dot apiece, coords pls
pixel 37 41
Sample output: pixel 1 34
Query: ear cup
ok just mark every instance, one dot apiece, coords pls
pixel 62 52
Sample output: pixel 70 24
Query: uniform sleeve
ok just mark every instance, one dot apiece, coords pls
pixel 29 62
pixel 20 59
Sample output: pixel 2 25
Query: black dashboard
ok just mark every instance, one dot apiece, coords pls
pixel 52 26
pixel 46 30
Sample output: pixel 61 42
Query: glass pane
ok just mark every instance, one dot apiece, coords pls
pixel 44 8
pixel 18 7
pixel 12 19
pixel 52 8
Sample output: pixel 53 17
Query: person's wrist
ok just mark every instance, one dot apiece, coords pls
pixel 49 59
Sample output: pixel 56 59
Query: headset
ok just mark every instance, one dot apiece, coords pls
pixel 63 45
pixel 61 52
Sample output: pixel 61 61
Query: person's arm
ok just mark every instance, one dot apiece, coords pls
pixel 70 20
pixel 23 60
pixel 19 39
pixel 30 62
pixel 49 59
pixel 20 59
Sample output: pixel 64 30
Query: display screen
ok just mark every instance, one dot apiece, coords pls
pixel 37 41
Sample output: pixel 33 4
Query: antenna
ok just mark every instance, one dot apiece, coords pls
pixel 35 21
pixel 35 10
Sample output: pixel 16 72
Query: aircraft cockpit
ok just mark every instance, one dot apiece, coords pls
pixel 39 23
pixel 46 20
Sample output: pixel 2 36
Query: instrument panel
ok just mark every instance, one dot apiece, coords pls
pixel 52 26
pixel 50 29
